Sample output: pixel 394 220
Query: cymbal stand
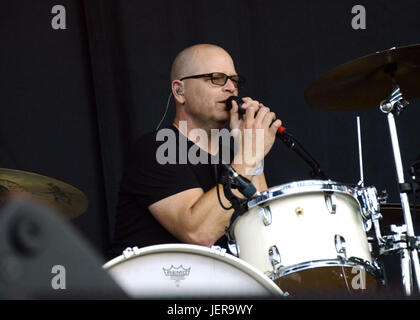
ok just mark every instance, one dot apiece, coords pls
pixel 409 254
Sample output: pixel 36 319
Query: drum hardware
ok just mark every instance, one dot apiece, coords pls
pixel 371 267
pixel 331 202
pixel 265 213
pixel 395 102
pixel 340 247
pixel 369 200
pixel 367 225
pixel 371 241
pixel 305 186
pixel 370 207
pixel 233 246
pixel 217 250
pixel 299 211
pixel 394 105
pixel 409 187
pixel 360 84
pixel 399 240
pixel 275 260
pixel 130 252
pixel 375 218
pixel 402 244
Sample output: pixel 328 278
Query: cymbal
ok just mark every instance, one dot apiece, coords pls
pixel 61 196
pixel 365 82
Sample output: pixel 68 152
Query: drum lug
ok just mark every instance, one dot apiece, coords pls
pixel 265 214
pixel 275 259
pixel 370 241
pixel 367 225
pixel 331 202
pixel 233 248
pixel 129 252
pixel 217 250
pixel 340 246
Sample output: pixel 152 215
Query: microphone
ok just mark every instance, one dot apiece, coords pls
pixel 287 138
pixel 239 102
pixel 245 186
pixel 280 131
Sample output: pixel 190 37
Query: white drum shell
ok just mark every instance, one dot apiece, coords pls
pixel 196 272
pixel 303 229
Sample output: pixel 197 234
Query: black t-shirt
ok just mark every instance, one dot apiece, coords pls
pixel 146 181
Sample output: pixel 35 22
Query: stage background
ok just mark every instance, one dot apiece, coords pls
pixel 73 100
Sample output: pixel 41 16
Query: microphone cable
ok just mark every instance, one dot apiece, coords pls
pixel 218 188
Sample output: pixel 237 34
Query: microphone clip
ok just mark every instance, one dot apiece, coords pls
pixel 238 204
pixel 236 181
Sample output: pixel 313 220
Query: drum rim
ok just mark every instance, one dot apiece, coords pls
pixel 373 270
pixel 302 187
pixel 241 264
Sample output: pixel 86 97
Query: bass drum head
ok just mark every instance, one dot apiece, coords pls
pixel 182 270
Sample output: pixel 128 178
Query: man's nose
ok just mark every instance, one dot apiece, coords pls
pixel 230 86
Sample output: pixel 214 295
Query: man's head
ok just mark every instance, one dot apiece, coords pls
pixel 201 100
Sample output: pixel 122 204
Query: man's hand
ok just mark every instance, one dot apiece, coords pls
pixel 254 134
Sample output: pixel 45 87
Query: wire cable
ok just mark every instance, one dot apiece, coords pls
pixel 217 188
pixel 166 110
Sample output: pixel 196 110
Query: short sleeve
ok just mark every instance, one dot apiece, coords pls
pixel 148 180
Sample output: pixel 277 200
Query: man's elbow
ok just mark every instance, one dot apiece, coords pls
pixel 199 239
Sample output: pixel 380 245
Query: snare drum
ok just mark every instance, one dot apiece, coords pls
pixel 187 271
pixel 309 237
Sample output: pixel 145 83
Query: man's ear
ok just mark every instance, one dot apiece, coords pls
pixel 178 91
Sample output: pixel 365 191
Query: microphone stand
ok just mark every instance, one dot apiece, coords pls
pixel 294 145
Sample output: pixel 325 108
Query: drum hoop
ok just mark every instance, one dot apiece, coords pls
pixel 240 264
pixel 350 263
pixel 302 187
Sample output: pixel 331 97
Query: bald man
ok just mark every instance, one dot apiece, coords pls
pixel 178 202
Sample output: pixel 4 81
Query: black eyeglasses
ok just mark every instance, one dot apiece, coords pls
pixel 219 78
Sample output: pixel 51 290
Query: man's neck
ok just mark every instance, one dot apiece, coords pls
pixel 194 132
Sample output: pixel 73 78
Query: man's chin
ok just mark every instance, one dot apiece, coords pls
pixel 221 122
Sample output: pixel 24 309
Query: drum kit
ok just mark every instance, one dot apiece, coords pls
pixel 311 238
pixel 304 238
